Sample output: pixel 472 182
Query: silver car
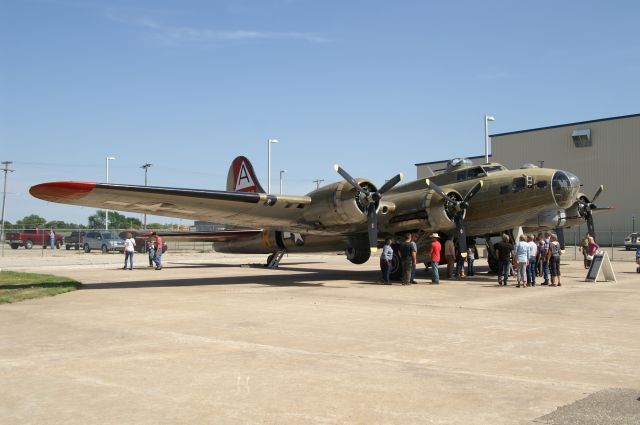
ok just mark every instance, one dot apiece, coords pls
pixel 632 241
pixel 104 241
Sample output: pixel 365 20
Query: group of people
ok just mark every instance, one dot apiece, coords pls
pixel 153 246
pixel 408 251
pixel 532 256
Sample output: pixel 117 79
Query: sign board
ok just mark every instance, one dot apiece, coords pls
pixel 600 267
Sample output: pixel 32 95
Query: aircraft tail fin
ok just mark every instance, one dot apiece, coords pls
pixel 242 178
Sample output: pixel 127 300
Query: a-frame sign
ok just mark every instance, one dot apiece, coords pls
pixel 601 268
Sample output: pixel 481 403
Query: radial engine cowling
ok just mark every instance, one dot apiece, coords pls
pixel 337 204
pixel 437 214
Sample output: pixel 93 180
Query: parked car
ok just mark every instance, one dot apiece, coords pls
pixel 105 241
pixel 30 237
pixel 632 241
pixel 141 237
pixel 74 240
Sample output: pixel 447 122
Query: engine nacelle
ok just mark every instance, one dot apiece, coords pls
pixel 337 204
pixel 548 219
pixel 437 214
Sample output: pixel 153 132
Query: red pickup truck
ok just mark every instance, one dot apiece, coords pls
pixel 30 237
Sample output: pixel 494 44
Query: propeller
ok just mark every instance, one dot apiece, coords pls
pixel 586 208
pixel 456 208
pixel 369 198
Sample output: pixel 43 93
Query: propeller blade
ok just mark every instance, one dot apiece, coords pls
pixel 372 227
pixel 348 178
pixel 560 233
pixel 472 192
pixel 462 236
pixel 591 228
pixel 439 190
pixel 598 192
pixel 389 184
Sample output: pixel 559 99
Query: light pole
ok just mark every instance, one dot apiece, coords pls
pixel 317 182
pixel 4 197
pixel 146 168
pixel 487 118
pixel 281 173
pixel 106 167
pixel 269 142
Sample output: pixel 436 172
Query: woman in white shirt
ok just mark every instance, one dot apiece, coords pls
pixel 129 249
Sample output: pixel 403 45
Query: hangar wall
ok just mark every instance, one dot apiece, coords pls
pixel 611 157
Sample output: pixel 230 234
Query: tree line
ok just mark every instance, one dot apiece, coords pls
pixel 96 221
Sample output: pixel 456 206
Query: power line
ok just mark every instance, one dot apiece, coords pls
pixel 4 198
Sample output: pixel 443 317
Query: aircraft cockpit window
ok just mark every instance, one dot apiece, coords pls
pixel 492 168
pixel 470 173
pixel 519 183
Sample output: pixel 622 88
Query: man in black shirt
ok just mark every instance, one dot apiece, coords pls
pixel 504 251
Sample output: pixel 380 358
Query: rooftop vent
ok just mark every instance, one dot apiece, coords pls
pixel 581 138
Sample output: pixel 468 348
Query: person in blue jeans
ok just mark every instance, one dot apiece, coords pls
pixel 504 252
pixel 533 258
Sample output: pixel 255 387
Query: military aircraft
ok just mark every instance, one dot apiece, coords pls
pixel 352 214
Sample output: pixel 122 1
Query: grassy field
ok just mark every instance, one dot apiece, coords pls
pixel 16 287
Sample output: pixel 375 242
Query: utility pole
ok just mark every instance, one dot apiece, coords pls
pixel 146 168
pixel 4 197
pixel 317 182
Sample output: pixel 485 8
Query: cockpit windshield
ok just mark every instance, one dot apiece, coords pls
pixel 565 187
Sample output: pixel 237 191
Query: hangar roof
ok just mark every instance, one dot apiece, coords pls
pixel 565 125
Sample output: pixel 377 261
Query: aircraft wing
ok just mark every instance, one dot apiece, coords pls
pixel 257 210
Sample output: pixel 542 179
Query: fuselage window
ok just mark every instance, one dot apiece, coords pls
pixel 518 184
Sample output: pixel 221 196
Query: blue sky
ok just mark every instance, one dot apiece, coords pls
pixel 375 86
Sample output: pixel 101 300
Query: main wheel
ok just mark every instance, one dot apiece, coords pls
pixel 396 264
pixel 28 244
pixel 87 249
pixel 104 249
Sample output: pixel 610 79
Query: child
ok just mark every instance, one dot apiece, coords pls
pixel 472 254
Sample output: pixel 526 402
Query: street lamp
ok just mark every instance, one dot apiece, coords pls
pixel 487 118
pixel 269 142
pixel 106 167
pixel 281 173
pixel 146 168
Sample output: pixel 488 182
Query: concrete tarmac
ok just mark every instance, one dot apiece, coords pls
pixel 206 341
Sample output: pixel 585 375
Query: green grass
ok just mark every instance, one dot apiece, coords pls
pixel 16 286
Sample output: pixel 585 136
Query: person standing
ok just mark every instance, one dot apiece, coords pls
pixel 544 255
pixel 584 246
pixel 52 239
pixel 472 254
pixel 533 259
pixel 157 246
pixel 459 259
pixel 504 252
pixel 129 250
pixel 522 260
pixel 638 259
pixel 436 249
pixel 385 261
pixel 554 260
pixel 592 249
pixel 408 256
pixel 414 247
pixel 151 251
pixel 450 256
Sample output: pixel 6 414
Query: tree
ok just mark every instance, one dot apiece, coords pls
pixel 31 221
pixel 116 221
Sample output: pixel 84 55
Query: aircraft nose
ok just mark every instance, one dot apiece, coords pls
pixel 564 186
